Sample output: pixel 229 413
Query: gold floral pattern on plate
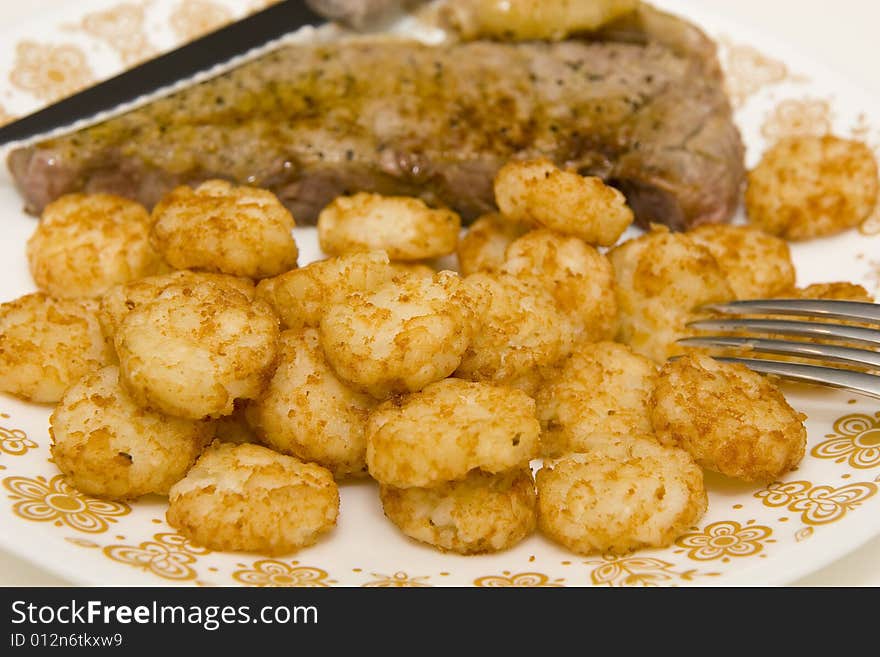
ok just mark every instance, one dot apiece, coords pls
pixel 15 442
pixel 398 580
pixel 193 18
pixel 269 572
pixel 40 500
pixel 169 556
pixel 640 571
pixel 122 28
pixel 856 441
pixel 798 117
pixel 519 580
pixel 748 71
pixel 50 71
pixel 725 539
pixel 818 505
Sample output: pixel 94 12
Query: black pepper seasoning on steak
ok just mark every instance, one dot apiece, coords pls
pixel 311 122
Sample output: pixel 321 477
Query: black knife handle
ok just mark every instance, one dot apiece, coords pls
pixel 215 48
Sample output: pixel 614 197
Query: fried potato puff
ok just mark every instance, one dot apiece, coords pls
pixel 87 243
pixel 757 265
pixel 405 228
pixel 107 446
pixel 47 345
pixel 603 390
pixel 478 514
pixel 485 243
pixel 195 349
pixel 730 419
pixel 580 279
pixel 807 187
pixel 400 337
pixel 217 227
pixel 120 300
pixel 448 429
pixel 301 296
pixel 306 411
pixel 538 194
pixel 661 279
pixel 620 495
pixel 247 497
pixel 521 332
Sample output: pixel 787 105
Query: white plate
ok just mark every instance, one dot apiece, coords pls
pixel 750 535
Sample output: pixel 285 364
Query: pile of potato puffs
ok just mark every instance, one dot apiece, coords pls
pixel 188 356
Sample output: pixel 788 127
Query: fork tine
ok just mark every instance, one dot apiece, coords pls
pixel 858 334
pixel 846 310
pixel 866 384
pixel 826 352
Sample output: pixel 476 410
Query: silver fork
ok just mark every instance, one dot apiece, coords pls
pixel 807 309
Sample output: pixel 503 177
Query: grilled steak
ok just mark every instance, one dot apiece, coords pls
pixel 314 121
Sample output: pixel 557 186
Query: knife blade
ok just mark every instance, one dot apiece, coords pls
pixel 161 74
